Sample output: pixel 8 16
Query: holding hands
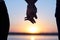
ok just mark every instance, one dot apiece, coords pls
pixel 31 11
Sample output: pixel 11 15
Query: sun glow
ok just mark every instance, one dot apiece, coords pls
pixel 33 29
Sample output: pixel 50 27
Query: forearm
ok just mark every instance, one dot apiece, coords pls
pixel 26 1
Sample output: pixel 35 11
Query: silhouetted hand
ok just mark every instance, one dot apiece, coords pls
pixel 30 19
pixel 31 13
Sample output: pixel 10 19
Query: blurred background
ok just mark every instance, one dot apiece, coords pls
pixel 45 23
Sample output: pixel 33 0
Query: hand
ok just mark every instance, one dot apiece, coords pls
pixel 30 19
pixel 31 13
pixel 31 16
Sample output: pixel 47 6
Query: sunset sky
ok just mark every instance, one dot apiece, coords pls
pixel 45 11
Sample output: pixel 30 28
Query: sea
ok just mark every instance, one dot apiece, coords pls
pixel 32 37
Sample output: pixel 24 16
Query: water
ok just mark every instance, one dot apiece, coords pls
pixel 31 37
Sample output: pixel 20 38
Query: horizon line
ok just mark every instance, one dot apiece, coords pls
pixel 16 33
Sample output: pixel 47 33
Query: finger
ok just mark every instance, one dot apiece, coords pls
pixel 35 16
pixel 26 18
pixel 32 21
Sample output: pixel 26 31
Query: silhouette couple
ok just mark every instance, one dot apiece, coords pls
pixel 30 15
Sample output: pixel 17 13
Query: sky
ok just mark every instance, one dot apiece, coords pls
pixel 46 21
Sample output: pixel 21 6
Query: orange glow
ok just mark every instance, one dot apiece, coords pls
pixel 33 29
pixel 27 27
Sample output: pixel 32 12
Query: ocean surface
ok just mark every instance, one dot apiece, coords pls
pixel 31 37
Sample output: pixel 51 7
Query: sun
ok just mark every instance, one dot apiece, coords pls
pixel 33 29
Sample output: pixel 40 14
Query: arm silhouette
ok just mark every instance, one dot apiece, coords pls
pixel 4 21
pixel 57 15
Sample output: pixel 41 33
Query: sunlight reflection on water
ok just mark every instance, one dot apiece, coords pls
pixel 31 37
